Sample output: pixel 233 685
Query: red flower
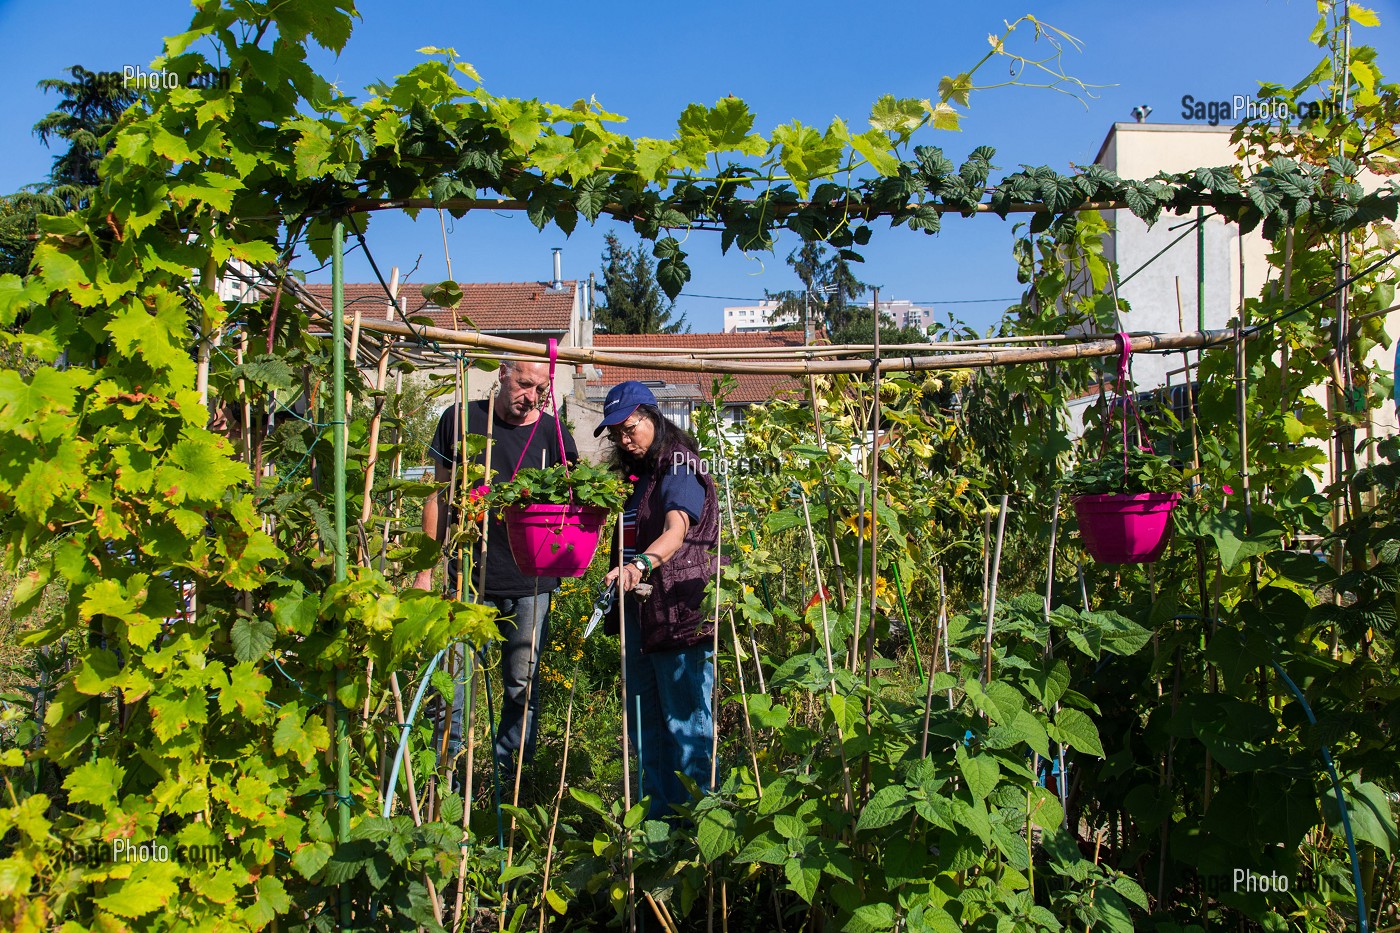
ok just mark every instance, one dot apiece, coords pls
pixel 825 594
pixel 632 477
pixel 1227 490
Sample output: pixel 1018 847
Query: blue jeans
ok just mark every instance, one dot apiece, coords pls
pixel 524 624
pixel 675 728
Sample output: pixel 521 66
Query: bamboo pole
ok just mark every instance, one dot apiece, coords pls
pixel 968 360
pixel 830 519
pixel 395 468
pixel 558 798
pixel 734 534
pixel 626 763
pixel 992 592
pixel 1094 346
pixel 869 647
pixel 933 664
pixel 381 378
pixel 469 724
pixel 744 697
pixel 830 665
pixel 413 806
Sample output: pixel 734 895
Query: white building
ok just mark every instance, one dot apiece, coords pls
pixel 907 314
pixel 752 319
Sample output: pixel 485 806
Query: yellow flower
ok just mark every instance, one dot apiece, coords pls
pixel 853 522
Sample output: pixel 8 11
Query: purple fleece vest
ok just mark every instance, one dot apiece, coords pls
pixel 672 616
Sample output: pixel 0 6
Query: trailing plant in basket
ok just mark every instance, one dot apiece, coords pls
pixel 580 484
pixel 1146 472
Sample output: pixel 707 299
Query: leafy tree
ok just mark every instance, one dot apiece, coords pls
pixel 90 105
pixel 633 302
pixel 19 216
pixel 829 292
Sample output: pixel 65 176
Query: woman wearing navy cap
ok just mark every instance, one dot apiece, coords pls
pixel 670 526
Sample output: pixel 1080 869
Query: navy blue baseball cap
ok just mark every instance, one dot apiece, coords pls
pixel 622 400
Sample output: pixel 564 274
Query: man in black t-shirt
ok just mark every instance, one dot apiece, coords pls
pixel 521 434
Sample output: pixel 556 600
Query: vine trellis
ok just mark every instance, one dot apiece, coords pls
pixel 116 492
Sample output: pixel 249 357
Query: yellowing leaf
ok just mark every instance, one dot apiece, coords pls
pixel 95 782
pixel 202 467
pixel 945 117
pixel 956 89
pixel 136 898
pixel 1361 16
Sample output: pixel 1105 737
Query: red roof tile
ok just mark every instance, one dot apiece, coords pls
pixel 751 388
pixel 494 307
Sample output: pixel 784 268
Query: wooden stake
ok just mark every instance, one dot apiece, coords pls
pixel 626 762
pixel 559 796
pixel 992 598
pixel 381 377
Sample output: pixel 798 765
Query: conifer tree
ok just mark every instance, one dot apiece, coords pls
pixel 630 300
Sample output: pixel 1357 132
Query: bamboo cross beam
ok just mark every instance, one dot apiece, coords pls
pixel 972 359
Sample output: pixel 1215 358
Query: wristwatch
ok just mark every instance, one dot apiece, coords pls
pixel 641 566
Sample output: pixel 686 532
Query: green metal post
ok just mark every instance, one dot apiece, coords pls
pixel 1200 268
pixel 342 730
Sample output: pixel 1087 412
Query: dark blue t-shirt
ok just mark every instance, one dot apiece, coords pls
pixel 681 489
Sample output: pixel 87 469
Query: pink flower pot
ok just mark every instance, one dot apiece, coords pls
pixel 1123 528
pixel 554 540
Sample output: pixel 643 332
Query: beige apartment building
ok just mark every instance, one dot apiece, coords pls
pixel 1209 268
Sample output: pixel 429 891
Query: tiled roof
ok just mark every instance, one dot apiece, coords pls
pixel 751 387
pixel 494 307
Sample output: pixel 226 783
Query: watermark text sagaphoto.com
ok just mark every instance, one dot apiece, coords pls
pixel 1245 107
pixel 136 78
pixel 103 852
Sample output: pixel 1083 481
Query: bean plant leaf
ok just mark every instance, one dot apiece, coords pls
pixel 1076 730
pixel 980 771
pixel 803 878
pixel 885 806
pixel 1368 807
pixel 716 833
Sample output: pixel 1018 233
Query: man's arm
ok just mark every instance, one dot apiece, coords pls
pixel 434 520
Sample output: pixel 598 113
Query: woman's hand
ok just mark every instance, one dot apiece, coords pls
pixel 631 576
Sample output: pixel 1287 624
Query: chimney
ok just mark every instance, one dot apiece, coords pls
pixel 558 281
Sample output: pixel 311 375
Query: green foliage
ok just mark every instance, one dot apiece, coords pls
pixel 637 296
pixel 90 104
pixel 1143 472
pixel 581 483
pixel 202 662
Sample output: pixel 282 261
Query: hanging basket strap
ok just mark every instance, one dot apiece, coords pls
pixel 558 426
pixel 1125 397
pixel 554 404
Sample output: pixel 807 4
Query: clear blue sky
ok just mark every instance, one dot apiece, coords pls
pixel 809 61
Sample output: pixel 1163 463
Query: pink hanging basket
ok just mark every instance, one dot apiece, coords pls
pixel 1126 528
pixel 554 540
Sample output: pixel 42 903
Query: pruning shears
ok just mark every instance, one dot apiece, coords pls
pixel 607 599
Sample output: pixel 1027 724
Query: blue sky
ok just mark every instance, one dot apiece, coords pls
pixel 808 61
